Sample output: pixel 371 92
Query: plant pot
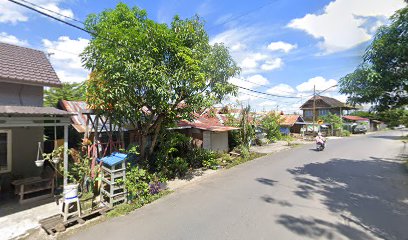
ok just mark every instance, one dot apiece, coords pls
pixel 56 160
pixel 39 163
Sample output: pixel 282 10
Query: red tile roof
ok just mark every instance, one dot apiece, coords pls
pixel 355 118
pixel 289 119
pixel 27 66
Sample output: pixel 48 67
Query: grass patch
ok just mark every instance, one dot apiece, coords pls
pixel 126 208
pixel 229 162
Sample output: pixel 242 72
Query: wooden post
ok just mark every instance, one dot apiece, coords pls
pixel 65 155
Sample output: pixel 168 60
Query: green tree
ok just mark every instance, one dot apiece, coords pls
pixel 271 122
pixel 335 121
pixel 382 78
pixel 68 91
pixel 246 128
pixel 149 75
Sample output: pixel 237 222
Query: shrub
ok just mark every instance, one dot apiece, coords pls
pixel 178 167
pixel 137 182
pixel 345 133
pixel 243 151
pixel 199 157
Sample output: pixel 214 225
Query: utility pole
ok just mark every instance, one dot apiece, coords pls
pixel 314 106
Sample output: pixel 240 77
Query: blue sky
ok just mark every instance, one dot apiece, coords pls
pixel 284 47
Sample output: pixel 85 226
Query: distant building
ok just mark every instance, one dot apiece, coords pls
pixel 291 123
pixel 323 106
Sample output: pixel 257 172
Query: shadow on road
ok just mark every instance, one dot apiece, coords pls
pixel 317 228
pixel 370 193
pixel 266 181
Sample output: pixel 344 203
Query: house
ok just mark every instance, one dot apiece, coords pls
pixel 24 73
pixel 291 123
pixel 372 124
pixel 207 131
pixel 323 106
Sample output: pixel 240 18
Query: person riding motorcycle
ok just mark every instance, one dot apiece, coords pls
pixel 320 141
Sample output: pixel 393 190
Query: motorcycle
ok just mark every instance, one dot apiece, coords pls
pixel 320 146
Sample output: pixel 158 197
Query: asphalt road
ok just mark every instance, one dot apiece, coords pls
pixel 356 189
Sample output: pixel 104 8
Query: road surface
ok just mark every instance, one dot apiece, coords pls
pixel 356 189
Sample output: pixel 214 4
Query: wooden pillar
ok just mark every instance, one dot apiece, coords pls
pixel 65 155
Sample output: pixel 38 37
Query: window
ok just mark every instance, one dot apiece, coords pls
pixel 5 151
pixel 323 112
pixel 308 113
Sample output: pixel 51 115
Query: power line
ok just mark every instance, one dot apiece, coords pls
pixel 50 16
pixel 49 10
pixel 94 34
pixel 243 14
pixel 269 94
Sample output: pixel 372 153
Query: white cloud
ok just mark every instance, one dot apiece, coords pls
pixel 250 82
pixel 272 64
pixel 321 84
pixel 281 46
pixel 252 60
pixel 282 90
pixel 13 13
pixel 6 38
pixel 267 103
pixel 243 41
pixel 340 26
pixel 259 79
pixel 238 47
pixel 65 57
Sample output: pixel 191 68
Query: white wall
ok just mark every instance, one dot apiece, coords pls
pixel 215 141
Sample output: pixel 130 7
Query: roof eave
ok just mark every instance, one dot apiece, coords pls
pixel 29 82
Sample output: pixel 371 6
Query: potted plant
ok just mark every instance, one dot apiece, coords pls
pixel 56 154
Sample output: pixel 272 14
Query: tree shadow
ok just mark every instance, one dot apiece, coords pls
pixel 318 228
pixel 387 137
pixel 266 181
pixel 371 193
pixel 282 203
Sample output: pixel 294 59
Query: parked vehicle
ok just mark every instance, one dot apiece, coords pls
pixel 359 129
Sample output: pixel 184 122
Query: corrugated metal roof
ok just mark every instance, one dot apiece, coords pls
pixel 207 121
pixel 78 119
pixel 32 111
pixel 27 66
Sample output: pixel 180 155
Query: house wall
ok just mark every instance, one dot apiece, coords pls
pixel 23 154
pixel 20 94
pixel 335 111
pixel 215 141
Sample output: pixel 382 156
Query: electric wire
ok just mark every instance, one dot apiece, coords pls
pixel 95 34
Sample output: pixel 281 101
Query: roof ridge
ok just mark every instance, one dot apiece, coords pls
pixel 14 45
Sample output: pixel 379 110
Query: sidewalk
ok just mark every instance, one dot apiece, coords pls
pixel 277 146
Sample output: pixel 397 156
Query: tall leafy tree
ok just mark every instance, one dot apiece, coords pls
pixel 382 78
pixel 148 74
pixel 68 91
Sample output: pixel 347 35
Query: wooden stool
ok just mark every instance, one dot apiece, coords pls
pixel 69 203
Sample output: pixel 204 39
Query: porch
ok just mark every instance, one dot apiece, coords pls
pixel 21 129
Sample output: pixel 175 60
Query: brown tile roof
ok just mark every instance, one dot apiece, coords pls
pixel 25 65
pixel 31 111
pixel 331 102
